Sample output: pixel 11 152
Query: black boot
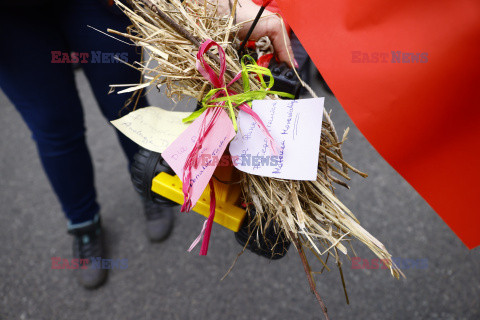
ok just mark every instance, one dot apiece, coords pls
pixel 158 210
pixel 88 243
pixel 159 220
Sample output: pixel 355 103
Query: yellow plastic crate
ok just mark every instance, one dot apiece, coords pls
pixel 227 213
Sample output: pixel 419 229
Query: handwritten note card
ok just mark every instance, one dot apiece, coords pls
pixel 152 128
pixel 214 145
pixel 296 127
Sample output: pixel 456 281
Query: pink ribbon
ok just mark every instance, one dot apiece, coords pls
pixel 207 225
pixel 218 82
pixel 192 160
pixel 204 68
pixel 273 145
pixel 208 229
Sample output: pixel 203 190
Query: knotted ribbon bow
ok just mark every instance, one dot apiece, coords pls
pixel 223 97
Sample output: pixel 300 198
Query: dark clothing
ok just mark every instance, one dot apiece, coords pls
pixel 45 93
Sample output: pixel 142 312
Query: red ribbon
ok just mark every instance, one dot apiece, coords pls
pixel 192 160
pixel 193 156
pixel 208 229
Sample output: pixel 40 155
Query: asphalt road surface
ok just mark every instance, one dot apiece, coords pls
pixel 163 281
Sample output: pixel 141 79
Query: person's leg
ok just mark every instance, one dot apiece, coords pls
pixel 45 95
pixel 102 69
pixel 82 13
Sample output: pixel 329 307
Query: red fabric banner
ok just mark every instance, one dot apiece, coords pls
pixel 408 74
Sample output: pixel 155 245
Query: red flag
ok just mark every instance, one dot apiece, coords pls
pixel 271 6
pixel 408 75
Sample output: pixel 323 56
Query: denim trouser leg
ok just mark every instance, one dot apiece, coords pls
pixel 45 93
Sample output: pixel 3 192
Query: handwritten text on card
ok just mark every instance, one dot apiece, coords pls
pixel 296 127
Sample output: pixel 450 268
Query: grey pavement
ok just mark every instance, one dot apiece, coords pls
pixel 163 281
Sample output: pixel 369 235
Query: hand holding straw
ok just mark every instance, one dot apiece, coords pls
pixel 254 23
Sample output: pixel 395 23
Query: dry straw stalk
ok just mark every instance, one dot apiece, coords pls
pixel 308 212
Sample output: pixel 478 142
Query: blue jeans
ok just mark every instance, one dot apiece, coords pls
pixel 46 96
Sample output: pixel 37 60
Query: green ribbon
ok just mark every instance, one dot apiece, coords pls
pixel 231 101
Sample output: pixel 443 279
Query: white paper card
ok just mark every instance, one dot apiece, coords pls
pixel 152 128
pixel 295 126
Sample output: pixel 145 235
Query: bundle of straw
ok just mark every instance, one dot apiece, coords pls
pixel 307 212
pixel 171 56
